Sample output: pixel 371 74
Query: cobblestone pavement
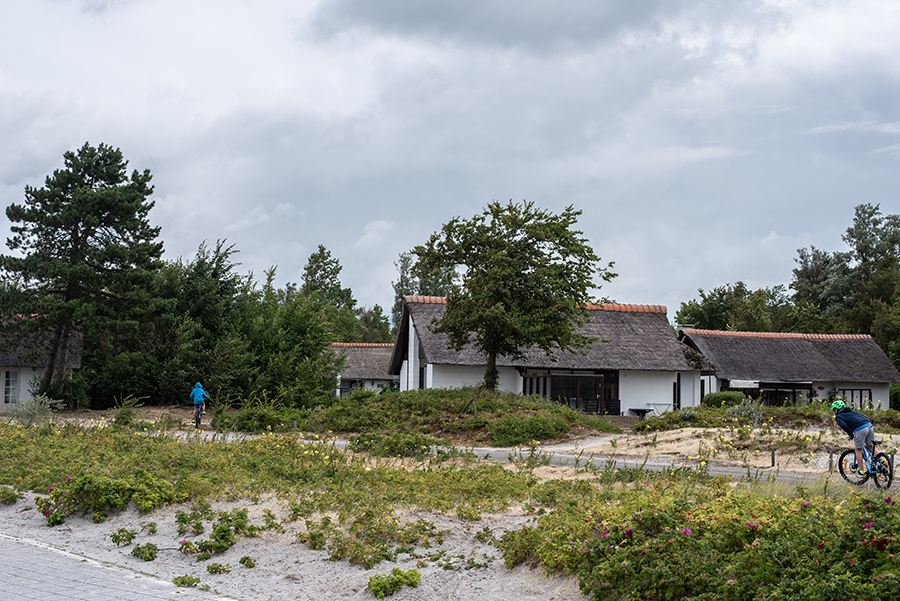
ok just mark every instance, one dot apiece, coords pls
pixel 30 570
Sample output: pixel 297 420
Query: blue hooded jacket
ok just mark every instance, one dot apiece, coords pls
pixel 198 394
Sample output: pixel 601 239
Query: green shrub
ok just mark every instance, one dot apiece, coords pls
pixel 147 551
pixel 726 398
pixel 123 536
pixel 382 585
pixel 8 495
pixel 747 411
pixel 185 581
pixel 258 419
pixel 519 429
pixel 247 562
pixel 37 411
pixel 218 568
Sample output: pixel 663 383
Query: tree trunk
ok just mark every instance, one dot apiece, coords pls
pixel 54 376
pixel 491 375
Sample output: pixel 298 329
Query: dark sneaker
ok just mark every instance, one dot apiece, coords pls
pixel 862 473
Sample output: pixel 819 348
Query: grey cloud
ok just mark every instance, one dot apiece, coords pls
pixel 533 24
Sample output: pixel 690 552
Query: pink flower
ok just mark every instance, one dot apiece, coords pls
pixel 869 525
pixel 686 531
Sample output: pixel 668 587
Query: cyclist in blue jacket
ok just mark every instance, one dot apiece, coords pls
pixel 199 396
pixel 858 427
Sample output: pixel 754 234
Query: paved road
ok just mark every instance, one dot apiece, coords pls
pixel 30 570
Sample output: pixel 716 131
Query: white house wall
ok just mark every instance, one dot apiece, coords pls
pixel 27 375
pixel 881 393
pixel 457 376
pixel 646 389
pixel 690 389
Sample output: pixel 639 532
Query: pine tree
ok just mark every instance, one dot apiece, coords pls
pixel 85 250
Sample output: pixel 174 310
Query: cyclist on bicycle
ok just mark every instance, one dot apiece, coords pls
pixel 858 427
pixel 199 396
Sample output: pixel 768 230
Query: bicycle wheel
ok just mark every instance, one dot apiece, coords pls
pixel 845 466
pixel 884 472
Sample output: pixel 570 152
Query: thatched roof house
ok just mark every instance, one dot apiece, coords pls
pixel 365 365
pixel 794 367
pixel 635 359
pixel 24 356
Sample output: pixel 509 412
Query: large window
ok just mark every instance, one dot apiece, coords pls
pixel 586 391
pixel 11 388
pixel 784 396
pixel 857 397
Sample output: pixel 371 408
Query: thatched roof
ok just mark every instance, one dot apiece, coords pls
pixel 636 337
pixel 22 347
pixel 784 357
pixel 365 361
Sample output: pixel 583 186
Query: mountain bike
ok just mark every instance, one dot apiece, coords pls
pixel 878 468
pixel 198 413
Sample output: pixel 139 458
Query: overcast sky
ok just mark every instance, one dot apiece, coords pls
pixel 704 141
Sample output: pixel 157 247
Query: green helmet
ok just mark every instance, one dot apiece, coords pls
pixel 838 404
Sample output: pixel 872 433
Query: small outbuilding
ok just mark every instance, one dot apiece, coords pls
pixel 365 366
pixel 788 369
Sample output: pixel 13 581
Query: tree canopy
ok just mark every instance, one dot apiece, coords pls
pixel 854 291
pixel 438 283
pixel 86 251
pixel 525 276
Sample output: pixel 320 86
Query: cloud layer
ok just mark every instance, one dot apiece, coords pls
pixel 705 142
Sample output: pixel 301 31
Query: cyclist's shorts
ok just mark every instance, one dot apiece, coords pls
pixel 864 438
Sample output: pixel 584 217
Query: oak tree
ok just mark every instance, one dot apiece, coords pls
pixel 525 277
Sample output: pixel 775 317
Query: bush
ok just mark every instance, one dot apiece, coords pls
pixel 726 398
pixel 259 419
pixel 37 411
pixel 747 410
pixel 518 429
pixel 8 495
pixel 388 584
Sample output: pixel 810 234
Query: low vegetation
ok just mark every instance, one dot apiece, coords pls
pixel 747 412
pixel 466 416
pixel 623 533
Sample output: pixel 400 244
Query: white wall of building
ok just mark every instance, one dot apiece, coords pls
pixel 457 376
pixel 690 389
pixel 646 389
pixel 24 376
pixel 880 392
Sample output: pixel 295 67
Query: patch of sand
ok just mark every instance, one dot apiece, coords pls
pixel 286 569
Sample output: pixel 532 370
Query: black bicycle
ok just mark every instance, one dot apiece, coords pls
pixel 198 413
pixel 878 468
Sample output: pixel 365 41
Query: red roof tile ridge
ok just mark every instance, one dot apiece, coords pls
pixel 441 300
pixel 362 344
pixel 777 335
pixel 629 308
pixel 426 300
